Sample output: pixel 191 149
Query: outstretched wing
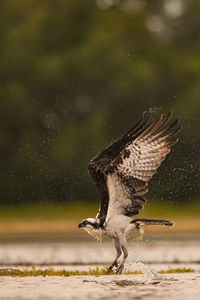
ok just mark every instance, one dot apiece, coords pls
pixel 122 170
pixel 129 172
pixel 98 165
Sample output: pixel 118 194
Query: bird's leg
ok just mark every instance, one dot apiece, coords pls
pixel 119 252
pixel 123 243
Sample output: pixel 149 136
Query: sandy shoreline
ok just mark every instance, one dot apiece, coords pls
pixel 149 256
pixel 173 286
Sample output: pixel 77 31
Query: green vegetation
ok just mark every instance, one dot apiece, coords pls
pixel 74 75
pixel 92 272
pixel 50 211
pixel 52 272
pixel 177 270
pixel 79 210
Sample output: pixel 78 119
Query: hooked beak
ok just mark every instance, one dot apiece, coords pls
pixel 80 225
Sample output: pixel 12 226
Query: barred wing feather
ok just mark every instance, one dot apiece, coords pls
pixel 129 172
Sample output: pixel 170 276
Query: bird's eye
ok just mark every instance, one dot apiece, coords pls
pixel 86 222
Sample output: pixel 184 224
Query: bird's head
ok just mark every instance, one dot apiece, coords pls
pixel 89 223
pixel 92 227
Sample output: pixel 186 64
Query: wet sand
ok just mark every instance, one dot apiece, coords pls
pixel 149 256
pixel 173 286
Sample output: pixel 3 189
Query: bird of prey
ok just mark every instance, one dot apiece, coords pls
pixel 121 173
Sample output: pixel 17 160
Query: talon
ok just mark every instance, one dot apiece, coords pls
pixel 110 269
pixel 119 269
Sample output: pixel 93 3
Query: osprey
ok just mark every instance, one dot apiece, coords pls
pixel 121 173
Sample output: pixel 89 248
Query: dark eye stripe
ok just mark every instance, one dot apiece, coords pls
pixel 93 224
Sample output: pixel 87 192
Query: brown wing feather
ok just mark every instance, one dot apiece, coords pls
pixel 132 160
pixel 101 161
pixel 134 166
pixel 100 180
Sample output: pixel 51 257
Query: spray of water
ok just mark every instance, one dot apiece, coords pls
pixel 148 273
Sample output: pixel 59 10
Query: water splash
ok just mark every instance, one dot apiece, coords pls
pixel 147 271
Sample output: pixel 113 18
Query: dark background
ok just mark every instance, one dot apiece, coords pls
pixel 76 74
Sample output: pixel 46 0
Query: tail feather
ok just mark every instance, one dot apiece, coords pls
pixel 142 222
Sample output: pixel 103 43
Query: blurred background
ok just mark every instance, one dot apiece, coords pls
pixel 76 74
